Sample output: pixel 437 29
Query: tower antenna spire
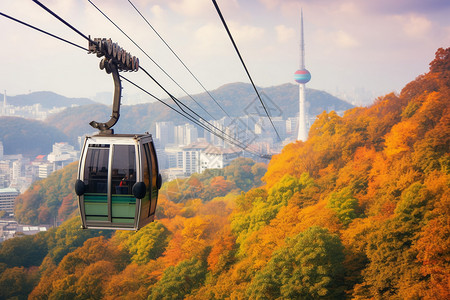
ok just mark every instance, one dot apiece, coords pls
pixel 302 42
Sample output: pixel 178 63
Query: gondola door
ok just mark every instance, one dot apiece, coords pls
pixel 123 178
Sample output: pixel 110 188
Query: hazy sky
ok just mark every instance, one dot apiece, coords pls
pixel 378 46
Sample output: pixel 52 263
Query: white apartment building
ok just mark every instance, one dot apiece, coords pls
pixel 62 155
pixel 7 198
pixel 201 155
pixel 45 169
pixel 218 157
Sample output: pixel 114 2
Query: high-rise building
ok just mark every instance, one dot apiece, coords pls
pixel 1 150
pixel 165 133
pixel 185 134
pixel 302 76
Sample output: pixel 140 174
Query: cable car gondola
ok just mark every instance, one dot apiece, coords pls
pixel 118 176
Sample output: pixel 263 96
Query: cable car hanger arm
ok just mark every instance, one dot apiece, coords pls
pixel 115 59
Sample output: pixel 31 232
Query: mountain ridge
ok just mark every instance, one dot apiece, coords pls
pixel 47 99
pixel 236 99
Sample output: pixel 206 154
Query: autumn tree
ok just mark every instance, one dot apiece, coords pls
pixel 25 251
pixel 393 263
pixel 147 244
pixel 309 267
pixel 178 281
pixel 17 282
pixel 344 204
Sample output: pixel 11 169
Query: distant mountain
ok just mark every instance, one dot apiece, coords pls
pixel 282 100
pixel 28 137
pixel 46 99
pixel 236 99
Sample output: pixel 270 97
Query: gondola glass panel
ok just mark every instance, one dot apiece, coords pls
pixel 123 177
pixel 154 178
pixel 96 182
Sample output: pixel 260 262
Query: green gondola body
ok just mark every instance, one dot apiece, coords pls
pixel 118 181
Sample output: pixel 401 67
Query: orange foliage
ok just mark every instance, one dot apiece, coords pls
pixel 221 252
pixel 66 208
pixel 401 138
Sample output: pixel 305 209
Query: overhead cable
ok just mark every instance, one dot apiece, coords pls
pixel 173 80
pixel 43 31
pixel 61 19
pixel 179 59
pixel 180 104
pixel 176 101
pixel 231 141
pixel 194 120
pixel 245 67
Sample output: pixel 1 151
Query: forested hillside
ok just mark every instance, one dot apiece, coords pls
pixel 358 211
pixel 48 199
pixel 17 134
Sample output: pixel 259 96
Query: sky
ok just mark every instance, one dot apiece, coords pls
pixel 355 49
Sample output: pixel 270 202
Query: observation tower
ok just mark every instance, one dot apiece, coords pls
pixel 302 76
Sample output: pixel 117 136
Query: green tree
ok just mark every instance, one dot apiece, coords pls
pixel 239 171
pixel 344 204
pixel 310 266
pixel 25 251
pixel 180 280
pixel 42 201
pixel 68 237
pixel 392 258
pixel 147 244
pixel 17 282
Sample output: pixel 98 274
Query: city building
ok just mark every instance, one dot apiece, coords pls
pixel 165 133
pixel 173 156
pixel 35 111
pixel 44 170
pixel 185 134
pixel 202 155
pixel 217 157
pixel 1 150
pixel 10 229
pixel 7 198
pixel 62 155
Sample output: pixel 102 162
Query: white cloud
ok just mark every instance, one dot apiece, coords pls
pixel 284 34
pixel 190 8
pixel 345 40
pixel 339 39
pixel 245 33
pixel 157 11
pixel 414 25
pixel 209 39
pixel 348 8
